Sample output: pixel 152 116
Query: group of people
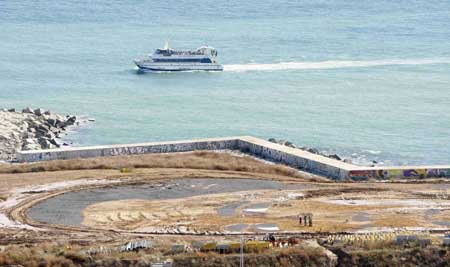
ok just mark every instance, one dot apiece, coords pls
pixel 280 242
pixel 305 219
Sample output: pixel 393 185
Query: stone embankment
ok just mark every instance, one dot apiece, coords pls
pixel 30 129
pixel 308 149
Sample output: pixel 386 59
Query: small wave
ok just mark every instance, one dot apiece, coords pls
pixel 373 152
pixel 332 64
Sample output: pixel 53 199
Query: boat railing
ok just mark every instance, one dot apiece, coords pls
pixel 179 52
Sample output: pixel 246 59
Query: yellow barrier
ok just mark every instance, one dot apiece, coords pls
pixel 209 246
pixel 256 245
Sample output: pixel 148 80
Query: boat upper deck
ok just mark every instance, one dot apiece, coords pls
pixel 169 52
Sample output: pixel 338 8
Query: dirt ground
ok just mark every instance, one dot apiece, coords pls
pixel 369 208
pixel 335 207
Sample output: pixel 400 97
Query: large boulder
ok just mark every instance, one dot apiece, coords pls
pixel 31 146
pixel 290 144
pixel 39 112
pixel 334 156
pixel 50 135
pixel 52 121
pixel 313 150
pixel 54 143
pixel 42 130
pixel 28 110
pixel 281 142
pixel 71 120
pixel 45 144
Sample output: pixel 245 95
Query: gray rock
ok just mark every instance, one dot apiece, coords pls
pixel 273 140
pixel 41 132
pixel 45 144
pixel 28 110
pixel 313 150
pixel 29 141
pixel 39 112
pixel 60 124
pixel 31 147
pixel 290 144
pixel 71 120
pixel 53 129
pixel 12 110
pixel 54 143
pixel 29 134
pixel 50 135
pixel 334 156
pixel 52 121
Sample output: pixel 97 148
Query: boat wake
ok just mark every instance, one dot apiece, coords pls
pixel 331 64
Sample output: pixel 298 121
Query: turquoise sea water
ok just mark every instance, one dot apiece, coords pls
pixel 366 79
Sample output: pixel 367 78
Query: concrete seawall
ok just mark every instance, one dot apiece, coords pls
pixel 293 157
pixel 128 149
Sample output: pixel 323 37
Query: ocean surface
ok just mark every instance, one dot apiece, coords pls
pixel 369 80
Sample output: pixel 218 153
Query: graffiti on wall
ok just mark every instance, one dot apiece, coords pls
pixel 418 173
pixel 362 174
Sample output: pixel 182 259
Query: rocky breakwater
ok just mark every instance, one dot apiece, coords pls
pixel 309 149
pixel 30 129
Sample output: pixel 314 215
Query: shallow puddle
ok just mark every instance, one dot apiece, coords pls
pixel 361 217
pixel 236 227
pixel 66 209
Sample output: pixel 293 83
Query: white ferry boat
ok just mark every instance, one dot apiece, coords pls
pixel 168 59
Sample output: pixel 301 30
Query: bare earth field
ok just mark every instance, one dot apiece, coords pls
pixel 185 197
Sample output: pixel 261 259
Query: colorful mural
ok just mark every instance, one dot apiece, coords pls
pixel 419 173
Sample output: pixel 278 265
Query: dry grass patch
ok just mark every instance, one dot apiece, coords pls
pixel 397 220
pixel 193 160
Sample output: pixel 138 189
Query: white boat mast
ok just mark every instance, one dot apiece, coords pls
pixel 166 45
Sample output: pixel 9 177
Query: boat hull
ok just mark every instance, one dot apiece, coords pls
pixel 160 67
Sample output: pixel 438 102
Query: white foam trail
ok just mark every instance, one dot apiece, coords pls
pixel 331 64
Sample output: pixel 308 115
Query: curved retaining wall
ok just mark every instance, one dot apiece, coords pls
pixel 293 157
